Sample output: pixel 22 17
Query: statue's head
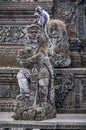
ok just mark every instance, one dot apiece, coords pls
pixel 57 30
pixel 59 39
pixel 53 29
pixel 36 35
pixel 34 32
pixel 54 32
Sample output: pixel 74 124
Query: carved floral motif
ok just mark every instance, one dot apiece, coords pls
pixel 12 34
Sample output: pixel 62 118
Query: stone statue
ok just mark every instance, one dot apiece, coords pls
pixel 59 50
pixel 56 32
pixel 42 51
pixel 35 79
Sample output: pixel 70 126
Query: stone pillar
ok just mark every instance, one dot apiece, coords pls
pixel 55 9
pixel 81 27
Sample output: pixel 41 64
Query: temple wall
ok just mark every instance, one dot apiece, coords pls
pixel 14 17
pixel 69 82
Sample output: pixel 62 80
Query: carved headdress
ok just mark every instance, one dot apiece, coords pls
pixel 38 29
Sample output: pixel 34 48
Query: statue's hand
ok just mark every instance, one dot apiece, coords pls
pixel 23 61
pixel 29 60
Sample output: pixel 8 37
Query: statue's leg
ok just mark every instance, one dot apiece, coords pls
pixel 43 89
pixel 23 83
pixel 49 67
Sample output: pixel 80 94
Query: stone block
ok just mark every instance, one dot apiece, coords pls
pixel 4 91
pixel 8 55
pixel 75 59
pixel 83 59
pixel 14 91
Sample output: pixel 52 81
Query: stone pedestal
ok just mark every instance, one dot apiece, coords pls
pixel 61 122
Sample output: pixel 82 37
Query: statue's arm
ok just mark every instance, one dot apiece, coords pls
pixel 38 55
pixel 35 57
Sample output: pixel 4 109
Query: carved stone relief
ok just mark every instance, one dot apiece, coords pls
pixel 81 22
pixel 12 34
pixel 73 98
pixel 67 13
pixel 35 79
pixel 84 93
pixel 17 35
pixel 59 43
pixel 64 84
pixel 9 91
pixel 14 91
pixel 77 93
pixel 4 91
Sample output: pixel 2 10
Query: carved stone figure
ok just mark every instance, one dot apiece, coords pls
pixel 64 83
pixel 36 98
pixel 35 79
pixel 59 50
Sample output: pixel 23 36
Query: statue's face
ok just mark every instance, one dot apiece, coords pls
pixel 55 34
pixel 34 35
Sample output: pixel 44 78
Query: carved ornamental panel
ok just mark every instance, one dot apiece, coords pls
pixel 12 34
pixel 70 90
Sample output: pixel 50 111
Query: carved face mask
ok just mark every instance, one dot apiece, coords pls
pixel 34 34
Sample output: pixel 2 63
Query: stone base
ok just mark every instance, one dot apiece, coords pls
pixel 61 122
pixel 39 112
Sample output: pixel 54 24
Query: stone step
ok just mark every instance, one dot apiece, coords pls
pixel 61 122
pixel 21 12
pixel 24 5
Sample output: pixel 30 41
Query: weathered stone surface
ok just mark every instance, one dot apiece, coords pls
pixel 39 112
pixel 8 55
pixel 12 26
pixel 7 104
pixel 59 54
pixel 70 99
pixel 35 79
pixel 62 121
pixel 61 76
pixel 22 15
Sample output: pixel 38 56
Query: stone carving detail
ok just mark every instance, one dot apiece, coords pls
pixel 46 43
pixel 7 106
pixel 14 91
pixel 84 93
pixel 77 95
pixel 4 91
pixel 12 34
pixel 67 13
pixel 36 98
pixel 83 82
pixel 7 93
pixel 64 84
pixel 81 22
pixel 67 10
pixel 77 44
pixel 59 43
